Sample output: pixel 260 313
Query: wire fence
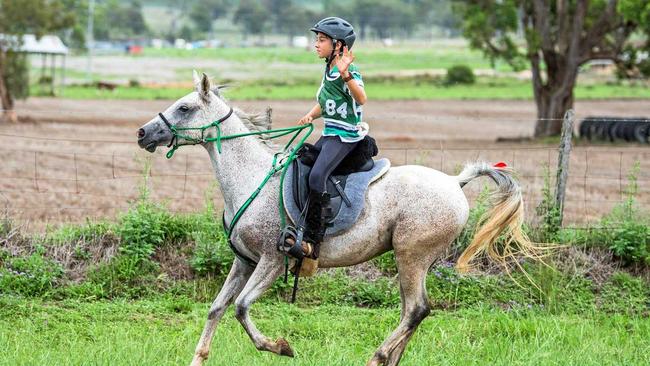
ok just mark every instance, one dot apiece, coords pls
pixel 57 185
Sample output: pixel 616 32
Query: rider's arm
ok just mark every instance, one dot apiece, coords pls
pixel 315 112
pixel 311 115
pixel 356 89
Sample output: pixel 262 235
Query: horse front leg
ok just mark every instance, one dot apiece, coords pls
pixel 267 271
pixel 239 274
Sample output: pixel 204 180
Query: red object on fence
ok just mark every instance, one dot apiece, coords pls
pixel 500 165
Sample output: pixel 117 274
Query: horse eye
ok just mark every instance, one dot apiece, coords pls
pixel 183 108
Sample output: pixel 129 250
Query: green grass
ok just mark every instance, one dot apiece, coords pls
pixel 165 332
pixel 140 316
pixel 369 58
pixel 294 75
pixel 485 88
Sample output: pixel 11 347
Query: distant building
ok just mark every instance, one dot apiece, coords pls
pixel 47 46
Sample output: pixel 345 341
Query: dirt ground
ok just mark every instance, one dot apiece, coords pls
pixel 72 159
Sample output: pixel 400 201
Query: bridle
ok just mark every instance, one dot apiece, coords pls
pixel 193 140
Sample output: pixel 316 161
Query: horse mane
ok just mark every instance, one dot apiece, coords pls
pixel 257 122
pixel 253 121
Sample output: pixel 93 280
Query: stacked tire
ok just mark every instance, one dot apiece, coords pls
pixel 616 129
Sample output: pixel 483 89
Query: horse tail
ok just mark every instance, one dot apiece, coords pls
pixel 505 217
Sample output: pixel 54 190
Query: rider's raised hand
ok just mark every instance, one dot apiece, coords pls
pixel 343 62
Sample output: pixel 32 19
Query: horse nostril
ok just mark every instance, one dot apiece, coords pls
pixel 141 133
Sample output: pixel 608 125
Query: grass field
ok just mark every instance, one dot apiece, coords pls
pixel 485 88
pixel 406 71
pixel 164 332
pixel 371 58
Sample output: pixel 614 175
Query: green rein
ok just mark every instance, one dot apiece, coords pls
pixel 281 160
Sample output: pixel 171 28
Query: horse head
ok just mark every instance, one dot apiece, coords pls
pixel 185 121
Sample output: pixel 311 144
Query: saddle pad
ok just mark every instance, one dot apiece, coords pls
pixel 355 189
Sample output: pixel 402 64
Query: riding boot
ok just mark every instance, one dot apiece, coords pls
pixel 319 212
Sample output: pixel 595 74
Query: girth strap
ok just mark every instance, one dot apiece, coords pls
pixel 244 258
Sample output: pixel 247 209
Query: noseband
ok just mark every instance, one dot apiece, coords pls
pixel 175 131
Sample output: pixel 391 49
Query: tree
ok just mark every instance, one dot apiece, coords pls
pixel 252 16
pixel 18 18
pixel 437 13
pixel 559 36
pixel 205 12
pixel 115 20
pixel 278 9
pixel 75 37
pixel 384 16
pixel 289 18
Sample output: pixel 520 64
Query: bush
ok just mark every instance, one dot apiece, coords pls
pixel 386 263
pixel 141 229
pixel 548 212
pixel 459 74
pixel 625 231
pixel 210 256
pixel 382 292
pixel 449 289
pixel 87 232
pixel 34 275
pixel 123 276
pixel 625 294
pixel 629 241
pixel 148 225
pixel 629 233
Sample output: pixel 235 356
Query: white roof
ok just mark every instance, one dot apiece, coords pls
pixel 46 44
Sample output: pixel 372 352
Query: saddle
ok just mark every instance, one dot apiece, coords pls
pixel 358 160
pixel 347 186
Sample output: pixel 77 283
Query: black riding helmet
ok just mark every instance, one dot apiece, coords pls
pixel 339 30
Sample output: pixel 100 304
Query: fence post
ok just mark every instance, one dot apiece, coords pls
pixel 7 203
pixel 563 162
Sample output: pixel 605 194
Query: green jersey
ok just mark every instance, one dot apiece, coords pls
pixel 338 108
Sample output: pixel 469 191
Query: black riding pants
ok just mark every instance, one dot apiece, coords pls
pixel 332 152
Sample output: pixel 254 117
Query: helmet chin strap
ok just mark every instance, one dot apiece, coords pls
pixel 330 58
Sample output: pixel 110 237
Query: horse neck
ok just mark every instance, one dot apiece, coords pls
pixel 241 165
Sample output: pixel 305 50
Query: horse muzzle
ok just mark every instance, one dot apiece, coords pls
pixel 150 136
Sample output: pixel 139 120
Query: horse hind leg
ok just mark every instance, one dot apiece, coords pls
pixel 412 268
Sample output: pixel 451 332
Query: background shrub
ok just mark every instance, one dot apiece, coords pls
pixel 460 74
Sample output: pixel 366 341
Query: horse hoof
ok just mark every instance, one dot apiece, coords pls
pixel 285 349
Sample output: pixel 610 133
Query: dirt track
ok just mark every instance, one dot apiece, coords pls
pixel 413 121
pixel 58 181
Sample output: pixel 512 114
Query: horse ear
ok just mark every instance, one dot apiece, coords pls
pixel 204 88
pixel 196 79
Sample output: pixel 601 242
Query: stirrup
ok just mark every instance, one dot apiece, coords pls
pixel 327 214
pixel 297 250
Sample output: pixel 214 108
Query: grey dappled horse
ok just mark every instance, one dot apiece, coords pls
pixel 414 210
